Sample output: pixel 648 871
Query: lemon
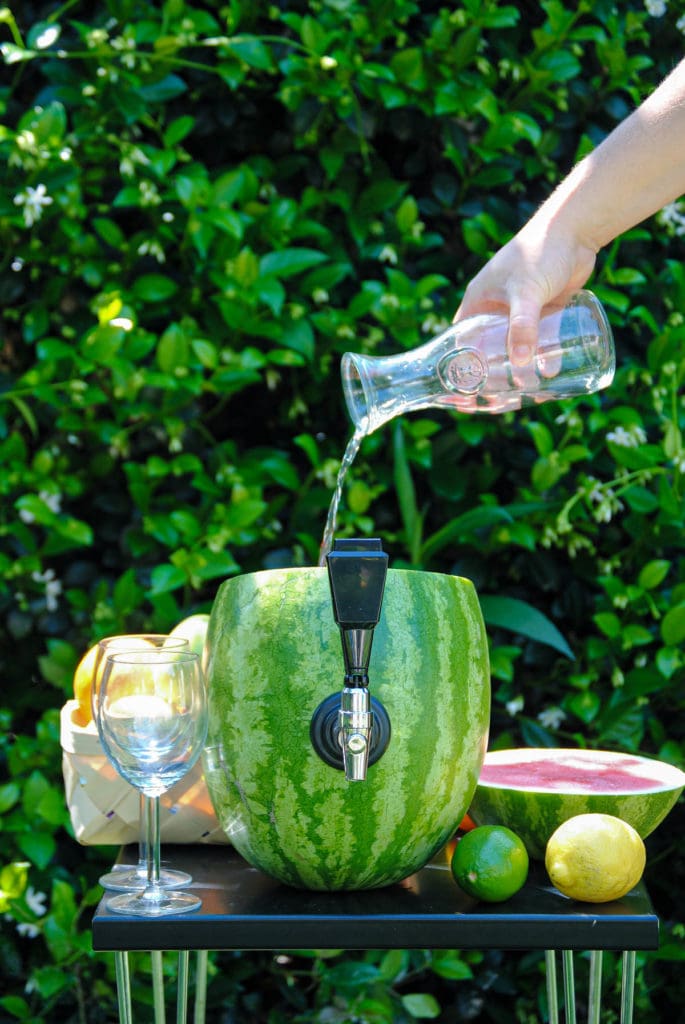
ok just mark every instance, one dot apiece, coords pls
pixel 89 664
pixel 83 680
pixel 595 858
pixel 490 863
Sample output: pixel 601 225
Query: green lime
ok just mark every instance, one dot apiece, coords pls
pixel 490 863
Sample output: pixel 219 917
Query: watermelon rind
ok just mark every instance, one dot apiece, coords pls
pixel 534 811
pixel 273 654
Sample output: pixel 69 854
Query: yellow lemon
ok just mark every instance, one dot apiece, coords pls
pixel 595 858
pixel 91 663
pixel 83 680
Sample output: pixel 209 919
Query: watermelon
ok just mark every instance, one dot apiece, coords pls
pixel 273 653
pixel 532 791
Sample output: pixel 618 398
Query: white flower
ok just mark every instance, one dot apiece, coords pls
pixel 388 254
pixel 33 200
pixel 633 437
pixel 671 216
pixel 149 195
pixel 28 929
pixel 514 706
pixel 552 717
pixel 657 8
pixel 53 502
pixel 53 588
pixel 680 23
pixel 96 38
pixel 36 901
pixel 152 248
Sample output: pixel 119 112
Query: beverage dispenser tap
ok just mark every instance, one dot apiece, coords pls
pixel 358 726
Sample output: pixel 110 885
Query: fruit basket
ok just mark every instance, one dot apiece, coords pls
pixel 104 809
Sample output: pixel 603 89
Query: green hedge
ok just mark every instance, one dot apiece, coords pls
pixel 202 207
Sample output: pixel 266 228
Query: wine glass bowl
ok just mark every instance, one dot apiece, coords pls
pixel 152 720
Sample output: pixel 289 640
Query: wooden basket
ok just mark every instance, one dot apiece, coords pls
pixel 105 809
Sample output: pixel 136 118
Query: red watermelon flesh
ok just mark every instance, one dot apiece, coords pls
pixel 533 790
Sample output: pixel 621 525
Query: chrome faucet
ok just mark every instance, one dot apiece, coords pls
pixel 356 573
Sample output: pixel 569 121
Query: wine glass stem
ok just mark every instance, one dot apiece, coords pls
pixel 143 841
pixel 153 843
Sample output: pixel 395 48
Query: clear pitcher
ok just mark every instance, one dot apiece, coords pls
pixel 467 367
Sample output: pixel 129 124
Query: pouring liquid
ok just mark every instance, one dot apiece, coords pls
pixel 353 446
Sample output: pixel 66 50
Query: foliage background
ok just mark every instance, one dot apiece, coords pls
pixel 203 205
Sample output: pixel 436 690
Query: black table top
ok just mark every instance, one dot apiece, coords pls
pixel 242 908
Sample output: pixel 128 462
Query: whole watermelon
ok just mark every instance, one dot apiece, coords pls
pixel 273 654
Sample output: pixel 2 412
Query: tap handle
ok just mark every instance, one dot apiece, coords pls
pixel 356 572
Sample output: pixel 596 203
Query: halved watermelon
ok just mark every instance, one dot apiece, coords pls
pixel 533 790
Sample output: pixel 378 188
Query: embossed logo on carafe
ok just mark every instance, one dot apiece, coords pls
pixel 464 371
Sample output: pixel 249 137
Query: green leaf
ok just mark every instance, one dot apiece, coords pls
pixel 9 796
pixel 173 350
pixel 351 975
pixel 406 494
pixel 448 964
pixel 421 1005
pixel 521 617
pixel 102 343
pixel 39 847
pixel 471 523
pixel 673 626
pixel 608 623
pixel 178 130
pixel 287 262
pixel 167 577
pixel 154 288
pixel 653 573
pixel 252 51
pixel 17 1007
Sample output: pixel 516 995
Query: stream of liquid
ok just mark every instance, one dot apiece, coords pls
pixel 353 446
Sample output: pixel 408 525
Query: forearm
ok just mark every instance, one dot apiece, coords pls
pixel 635 171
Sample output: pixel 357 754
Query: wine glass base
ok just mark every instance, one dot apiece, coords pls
pixel 130 878
pixel 154 903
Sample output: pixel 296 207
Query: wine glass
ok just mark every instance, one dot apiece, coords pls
pixel 128 877
pixel 152 719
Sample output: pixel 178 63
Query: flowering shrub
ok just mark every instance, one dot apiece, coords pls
pixel 203 205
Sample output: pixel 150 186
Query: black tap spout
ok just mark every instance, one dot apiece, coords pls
pixel 356 571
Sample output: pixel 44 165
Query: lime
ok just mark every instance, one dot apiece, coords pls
pixel 595 858
pixel 490 863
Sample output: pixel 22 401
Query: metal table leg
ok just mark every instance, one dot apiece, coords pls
pixel 595 993
pixel 569 986
pixel 158 986
pixel 628 987
pixel 551 981
pixel 200 987
pixel 182 993
pixel 123 987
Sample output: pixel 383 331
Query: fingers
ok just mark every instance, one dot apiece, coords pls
pixel 522 336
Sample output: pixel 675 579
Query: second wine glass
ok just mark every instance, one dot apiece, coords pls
pixel 152 719
pixel 130 877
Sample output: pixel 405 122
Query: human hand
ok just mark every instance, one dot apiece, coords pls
pixel 541 266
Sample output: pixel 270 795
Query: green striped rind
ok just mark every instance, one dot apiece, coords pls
pixel 534 816
pixel 274 653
